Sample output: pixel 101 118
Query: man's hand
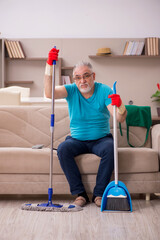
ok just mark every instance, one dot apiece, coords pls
pixel 52 56
pixel 116 100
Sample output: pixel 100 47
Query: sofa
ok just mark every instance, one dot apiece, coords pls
pixel 24 169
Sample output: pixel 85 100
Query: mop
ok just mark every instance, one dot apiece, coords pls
pixel 49 206
pixel 116 196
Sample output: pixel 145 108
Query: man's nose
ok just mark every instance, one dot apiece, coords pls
pixel 83 80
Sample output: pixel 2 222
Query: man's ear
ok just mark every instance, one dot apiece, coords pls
pixel 94 75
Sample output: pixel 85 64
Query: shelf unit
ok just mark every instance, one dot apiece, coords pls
pixel 8 83
pixel 26 59
pixel 123 56
pixel 34 59
pixel 64 71
pixel 12 82
pixel 30 70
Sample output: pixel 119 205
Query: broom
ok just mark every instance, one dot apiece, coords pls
pixel 116 196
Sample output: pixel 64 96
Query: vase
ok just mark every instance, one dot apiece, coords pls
pixel 158 111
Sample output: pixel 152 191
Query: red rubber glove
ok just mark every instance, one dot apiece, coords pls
pixel 52 56
pixel 116 100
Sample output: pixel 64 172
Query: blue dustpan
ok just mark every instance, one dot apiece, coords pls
pixel 112 188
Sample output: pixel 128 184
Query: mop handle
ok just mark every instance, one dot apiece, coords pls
pixel 52 123
pixel 115 139
pixel 53 87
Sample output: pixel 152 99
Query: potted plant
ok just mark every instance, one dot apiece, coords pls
pixel 156 97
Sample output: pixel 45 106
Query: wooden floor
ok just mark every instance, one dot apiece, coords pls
pixel 89 224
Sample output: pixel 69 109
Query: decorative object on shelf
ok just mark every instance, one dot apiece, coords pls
pixel 124 56
pixel 156 97
pixel 103 51
pixel 158 111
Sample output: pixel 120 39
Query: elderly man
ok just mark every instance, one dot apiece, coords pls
pixel 90 104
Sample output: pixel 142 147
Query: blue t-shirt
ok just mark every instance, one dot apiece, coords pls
pixel 89 118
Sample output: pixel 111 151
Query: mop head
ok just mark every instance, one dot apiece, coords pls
pixel 45 207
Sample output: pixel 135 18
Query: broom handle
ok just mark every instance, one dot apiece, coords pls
pixel 52 123
pixel 115 139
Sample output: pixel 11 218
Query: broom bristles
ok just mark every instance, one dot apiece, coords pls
pixel 117 204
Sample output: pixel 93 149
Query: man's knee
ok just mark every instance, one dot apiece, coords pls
pixel 108 149
pixel 63 149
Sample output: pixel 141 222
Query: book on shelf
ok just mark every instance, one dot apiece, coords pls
pixel 148 51
pixel 14 49
pixel 20 49
pixel 11 48
pixel 8 49
pixel 133 48
pixel 157 46
pixel 140 48
pixel 130 47
pixel 66 80
pixel 152 46
pixel 125 48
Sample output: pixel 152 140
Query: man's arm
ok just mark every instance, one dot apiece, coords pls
pixel 60 91
pixel 120 117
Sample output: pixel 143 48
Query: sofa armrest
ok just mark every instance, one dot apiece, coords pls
pixel 155 133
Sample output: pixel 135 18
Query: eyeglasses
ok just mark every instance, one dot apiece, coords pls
pixel 85 76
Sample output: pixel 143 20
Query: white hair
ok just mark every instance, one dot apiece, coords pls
pixel 82 64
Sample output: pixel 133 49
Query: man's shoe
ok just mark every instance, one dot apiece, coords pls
pixel 80 201
pixel 98 201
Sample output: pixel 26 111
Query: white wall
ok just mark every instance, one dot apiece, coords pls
pixel 82 18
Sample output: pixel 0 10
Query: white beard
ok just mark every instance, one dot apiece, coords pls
pixel 85 90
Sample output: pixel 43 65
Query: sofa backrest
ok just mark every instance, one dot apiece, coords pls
pixel 26 126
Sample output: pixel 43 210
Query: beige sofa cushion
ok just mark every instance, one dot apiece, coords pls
pixel 37 161
pixel 139 160
pixel 134 160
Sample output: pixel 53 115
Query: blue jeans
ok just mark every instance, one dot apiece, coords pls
pixel 72 147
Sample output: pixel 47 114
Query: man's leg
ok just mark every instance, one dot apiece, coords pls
pixel 104 149
pixel 66 152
